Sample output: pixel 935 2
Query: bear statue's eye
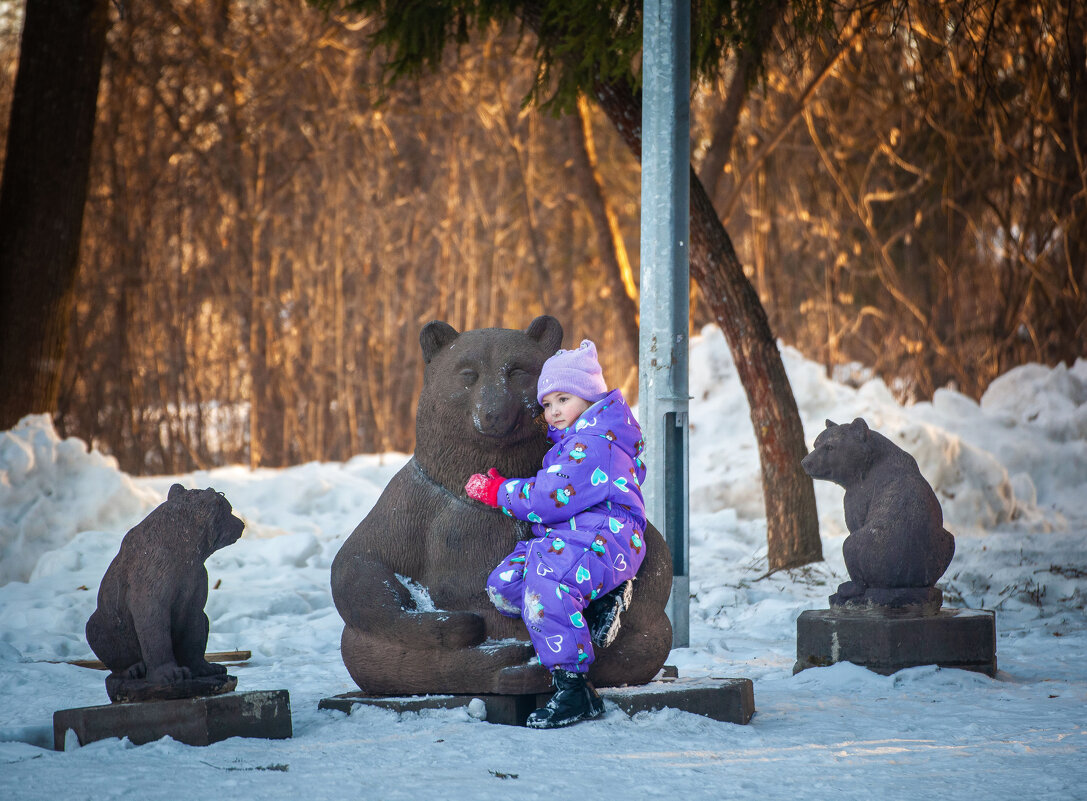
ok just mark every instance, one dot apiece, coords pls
pixel 519 374
pixel 469 376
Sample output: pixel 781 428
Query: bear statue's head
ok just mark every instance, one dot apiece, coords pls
pixel 480 386
pixel 206 516
pixel 842 453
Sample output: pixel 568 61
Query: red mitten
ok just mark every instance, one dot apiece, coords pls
pixel 485 488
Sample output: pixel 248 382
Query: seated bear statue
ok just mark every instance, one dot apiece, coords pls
pixel 410 582
pixel 150 629
pixel 897 547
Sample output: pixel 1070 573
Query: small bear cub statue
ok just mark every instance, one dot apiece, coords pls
pixel 150 629
pixel 897 548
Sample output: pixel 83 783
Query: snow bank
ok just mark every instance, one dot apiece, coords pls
pixel 51 489
pixel 1018 458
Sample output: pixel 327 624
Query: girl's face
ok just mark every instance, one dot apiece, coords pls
pixel 561 409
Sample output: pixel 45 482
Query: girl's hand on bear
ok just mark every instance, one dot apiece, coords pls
pixel 484 488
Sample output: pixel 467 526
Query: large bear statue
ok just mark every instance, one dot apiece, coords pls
pixel 897 548
pixel 410 581
pixel 149 628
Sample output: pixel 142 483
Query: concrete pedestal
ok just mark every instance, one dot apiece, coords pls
pixel 510 710
pixel 886 642
pixel 728 700
pixel 195 721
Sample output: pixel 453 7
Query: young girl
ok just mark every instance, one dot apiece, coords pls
pixel 589 516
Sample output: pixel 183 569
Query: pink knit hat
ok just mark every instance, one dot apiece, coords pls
pixel 574 371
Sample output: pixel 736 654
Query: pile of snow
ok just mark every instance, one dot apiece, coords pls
pixel 52 488
pixel 1018 458
pixel 1010 473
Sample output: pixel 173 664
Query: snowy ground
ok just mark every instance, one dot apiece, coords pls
pixel 1011 475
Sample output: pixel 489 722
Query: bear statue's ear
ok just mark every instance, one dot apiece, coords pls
pixel 176 491
pixel 546 330
pixel 831 424
pixel 435 336
pixel 861 428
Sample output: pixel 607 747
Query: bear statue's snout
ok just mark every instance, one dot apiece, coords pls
pixel 808 463
pixel 230 531
pixel 235 528
pixel 497 412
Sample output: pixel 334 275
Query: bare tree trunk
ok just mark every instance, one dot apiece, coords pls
pixel 792 523
pixel 42 196
pixel 727 119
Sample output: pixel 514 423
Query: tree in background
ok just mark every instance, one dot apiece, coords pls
pixel 42 195
pixel 592 48
pixel 268 229
pixel 923 215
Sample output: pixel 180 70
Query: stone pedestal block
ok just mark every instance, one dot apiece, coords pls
pixel 728 700
pixel 885 641
pixel 195 721
pixel 510 710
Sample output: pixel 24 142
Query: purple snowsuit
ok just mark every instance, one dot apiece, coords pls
pixel 589 517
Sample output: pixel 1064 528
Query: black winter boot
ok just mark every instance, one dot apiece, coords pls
pixel 574 700
pixel 602 615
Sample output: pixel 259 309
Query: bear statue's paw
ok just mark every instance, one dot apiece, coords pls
pixel 848 590
pixel 169 673
pixel 204 668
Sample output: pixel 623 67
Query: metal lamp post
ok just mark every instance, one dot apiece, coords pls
pixel 664 306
